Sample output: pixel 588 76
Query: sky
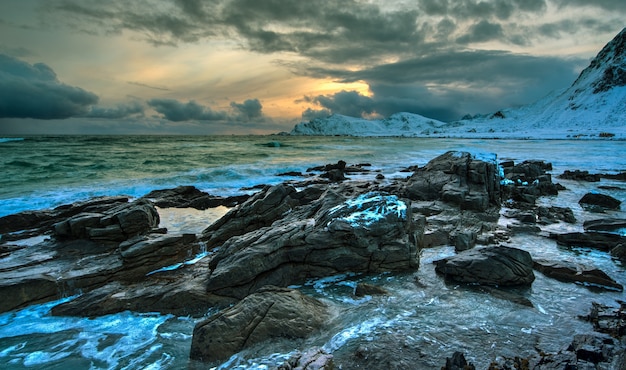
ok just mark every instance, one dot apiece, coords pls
pixel 261 66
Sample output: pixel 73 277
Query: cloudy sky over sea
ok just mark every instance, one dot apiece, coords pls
pixel 260 66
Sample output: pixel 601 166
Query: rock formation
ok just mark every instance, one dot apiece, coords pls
pixel 499 266
pixel 370 233
pixel 269 313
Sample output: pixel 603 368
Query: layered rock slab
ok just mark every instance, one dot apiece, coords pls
pixel 371 232
pixel 499 266
pixel 271 312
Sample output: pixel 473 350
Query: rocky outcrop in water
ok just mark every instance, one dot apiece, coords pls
pixel 372 232
pixel 596 202
pixel 458 178
pixel 85 246
pixel 501 266
pixel 571 272
pixel 191 197
pixel 269 313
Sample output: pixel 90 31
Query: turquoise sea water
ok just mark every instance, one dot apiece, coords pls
pixel 437 318
pixel 41 172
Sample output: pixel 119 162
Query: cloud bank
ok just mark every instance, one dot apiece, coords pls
pixel 176 111
pixel 33 91
pixel 438 58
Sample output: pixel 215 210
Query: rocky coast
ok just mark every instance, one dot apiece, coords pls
pixel 250 267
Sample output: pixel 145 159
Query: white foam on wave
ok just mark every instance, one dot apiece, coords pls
pixel 110 341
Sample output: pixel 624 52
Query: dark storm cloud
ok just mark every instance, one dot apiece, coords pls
pixel 133 109
pixel 249 109
pixel 33 91
pixel 481 32
pixel 349 103
pixel 160 23
pixel 466 82
pixel 173 110
pixel 176 111
pixel 418 58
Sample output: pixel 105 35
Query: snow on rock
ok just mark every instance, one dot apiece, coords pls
pixel 593 107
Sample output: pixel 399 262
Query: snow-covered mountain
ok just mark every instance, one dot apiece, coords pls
pixel 593 106
pixel 399 124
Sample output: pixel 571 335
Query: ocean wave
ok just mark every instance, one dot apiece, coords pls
pixel 8 139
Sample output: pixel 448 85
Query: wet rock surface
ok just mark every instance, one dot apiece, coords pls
pixel 571 272
pixel 191 197
pixel 114 252
pixel 499 266
pixel 269 313
pixel 596 202
pixel 457 178
pixel 370 233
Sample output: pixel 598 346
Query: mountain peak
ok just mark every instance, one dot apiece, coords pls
pixel 608 68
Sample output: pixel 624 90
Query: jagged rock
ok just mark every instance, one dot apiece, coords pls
pixel 457 362
pixel 118 223
pixel 571 272
pixel 363 289
pixel 580 176
pixel 608 319
pixel 457 178
pixel 259 211
pixel 489 265
pixel 340 165
pixel 369 233
pixel 597 240
pixel 269 313
pixel 191 197
pixel 598 202
pixel 593 348
pixel 388 349
pixel 525 182
pixel 548 215
pixel 313 359
pixel 43 219
pixel 464 241
pixel 334 175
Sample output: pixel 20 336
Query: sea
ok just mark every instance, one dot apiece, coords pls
pixel 40 172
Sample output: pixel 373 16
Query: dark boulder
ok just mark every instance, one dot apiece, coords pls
pixel 580 176
pixel 598 202
pixel 458 178
pixel 457 362
pixel 269 313
pixel 499 266
pixel 42 220
pixel 191 197
pixel 363 289
pixel 115 224
pixel 369 233
pixel 596 240
pixel 571 272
